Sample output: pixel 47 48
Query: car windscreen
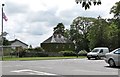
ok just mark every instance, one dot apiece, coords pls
pixel 117 51
pixel 95 50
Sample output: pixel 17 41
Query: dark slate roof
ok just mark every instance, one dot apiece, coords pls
pixel 19 41
pixel 57 39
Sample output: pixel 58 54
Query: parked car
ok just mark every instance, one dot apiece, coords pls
pixel 113 58
pixel 98 52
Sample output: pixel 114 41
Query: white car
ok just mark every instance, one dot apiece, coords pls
pixel 113 58
pixel 98 52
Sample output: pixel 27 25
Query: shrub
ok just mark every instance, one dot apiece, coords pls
pixel 68 53
pixel 41 54
pixel 36 54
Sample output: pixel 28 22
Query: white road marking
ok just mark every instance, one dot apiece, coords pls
pixel 32 72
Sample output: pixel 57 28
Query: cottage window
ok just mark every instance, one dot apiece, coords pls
pixel 69 46
pixel 63 46
pixel 56 46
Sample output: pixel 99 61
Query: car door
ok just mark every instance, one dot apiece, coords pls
pixel 101 53
pixel 117 57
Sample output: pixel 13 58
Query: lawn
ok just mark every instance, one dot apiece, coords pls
pixel 39 58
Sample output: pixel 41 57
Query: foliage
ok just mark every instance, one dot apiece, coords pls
pixel 5 41
pixel 36 54
pixel 32 54
pixel 67 33
pixel 87 3
pixel 38 49
pixel 97 34
pixel 30 46
pixel 68 53
pixel 112 36
pixel 59 29
pixel 116 11
pixel 79 30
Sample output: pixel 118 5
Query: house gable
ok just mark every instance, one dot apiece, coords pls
pixel 18 43
pixel 57 38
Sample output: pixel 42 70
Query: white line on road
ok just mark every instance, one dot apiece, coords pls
pixel 32 72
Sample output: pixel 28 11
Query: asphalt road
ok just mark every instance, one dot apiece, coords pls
pixel 58 67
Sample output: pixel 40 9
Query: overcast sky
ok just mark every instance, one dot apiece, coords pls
pixel 32 21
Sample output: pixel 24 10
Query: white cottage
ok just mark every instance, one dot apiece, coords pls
pixel 18 43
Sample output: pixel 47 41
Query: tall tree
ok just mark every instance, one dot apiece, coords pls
pixel 97 34
pixel 112 35
pixel 78 31
pixel 59 29
pixel 67 33
pixel 116 11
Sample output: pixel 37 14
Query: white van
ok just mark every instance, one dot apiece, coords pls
pixel 98 52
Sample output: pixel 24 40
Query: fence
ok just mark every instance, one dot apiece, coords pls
pixel 7 51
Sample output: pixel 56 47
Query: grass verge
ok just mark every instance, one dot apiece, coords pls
pixel 39 58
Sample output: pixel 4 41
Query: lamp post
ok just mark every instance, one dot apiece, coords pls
pixel 2 31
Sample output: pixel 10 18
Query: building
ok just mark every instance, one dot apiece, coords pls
pixel 57 43
pixel 17 43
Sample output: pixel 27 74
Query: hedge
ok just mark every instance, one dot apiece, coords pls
pixel 68 53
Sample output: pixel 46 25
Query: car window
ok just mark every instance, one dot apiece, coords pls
pixel 101 51
pixel 95 50
pixel 117 51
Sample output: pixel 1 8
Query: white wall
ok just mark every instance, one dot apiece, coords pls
pixel 17 43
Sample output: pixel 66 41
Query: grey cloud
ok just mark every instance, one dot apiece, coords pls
pixel 69 15
pixel 38 23
pixel 49 16
pixel 14 8
pixel 37 28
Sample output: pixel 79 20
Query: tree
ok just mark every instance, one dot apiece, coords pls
pixel 5 41
pixel 116 11
pixel 78 31
pixel 112 35
pixel 97 34
pixel 38 49
pixel 59 29
pixel 67 33
pixel 87 3
pixel 30 46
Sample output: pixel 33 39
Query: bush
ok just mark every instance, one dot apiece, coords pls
pixel 82 53
pixel 22 54
pixel 68 53
pixel 36 54
pixel 41 54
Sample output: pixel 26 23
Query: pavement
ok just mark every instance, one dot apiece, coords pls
pixel 58 67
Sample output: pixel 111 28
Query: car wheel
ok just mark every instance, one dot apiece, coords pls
pixel 111 63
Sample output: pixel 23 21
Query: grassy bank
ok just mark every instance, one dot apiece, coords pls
pixel 39 58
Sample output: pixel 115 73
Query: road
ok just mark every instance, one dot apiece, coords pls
pixel 58 67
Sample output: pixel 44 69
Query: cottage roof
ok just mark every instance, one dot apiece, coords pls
pixel 57 38
pixel 19 41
